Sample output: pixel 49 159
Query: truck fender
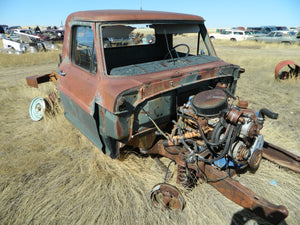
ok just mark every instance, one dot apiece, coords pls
pixel 109 145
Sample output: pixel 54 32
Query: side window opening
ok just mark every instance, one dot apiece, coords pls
pixel 83 48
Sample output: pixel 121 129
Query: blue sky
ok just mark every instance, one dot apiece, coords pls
pixel 217 13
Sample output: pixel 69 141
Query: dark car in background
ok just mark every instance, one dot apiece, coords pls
pixel 3 28
pixel 2 31
pixel 282 28
pixel 268 29
pixel 262 30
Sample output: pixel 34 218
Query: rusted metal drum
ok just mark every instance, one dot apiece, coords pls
pixel 292 73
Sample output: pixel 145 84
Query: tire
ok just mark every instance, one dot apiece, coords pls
pixel 11 50
pixel 232 39
pixel 286 43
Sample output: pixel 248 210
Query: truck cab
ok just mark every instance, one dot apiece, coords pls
pixel 123 73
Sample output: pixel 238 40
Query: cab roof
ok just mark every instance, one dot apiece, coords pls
pixel 131 15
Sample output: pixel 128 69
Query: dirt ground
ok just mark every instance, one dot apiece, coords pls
pixel 51 174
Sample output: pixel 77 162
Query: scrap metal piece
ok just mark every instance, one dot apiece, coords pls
pixel 292 73
pixel 243 196
pixel 34 81
pixel 223 182
pixel 51 102
pixel 37 108
pixel 167 196
pixel 281 157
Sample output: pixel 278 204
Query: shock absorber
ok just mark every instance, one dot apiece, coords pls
pixel 186 177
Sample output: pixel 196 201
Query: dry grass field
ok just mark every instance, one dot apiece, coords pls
pixel 51 174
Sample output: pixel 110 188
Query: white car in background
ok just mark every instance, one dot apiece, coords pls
pixel 232 35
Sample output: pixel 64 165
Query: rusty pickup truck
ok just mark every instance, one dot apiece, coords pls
pixel 152 81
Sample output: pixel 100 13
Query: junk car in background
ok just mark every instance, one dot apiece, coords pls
pixel 232 35
pixel 279 37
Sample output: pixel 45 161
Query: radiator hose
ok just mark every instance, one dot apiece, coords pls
pixel 265 112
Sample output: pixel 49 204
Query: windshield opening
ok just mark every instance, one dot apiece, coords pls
pixel 130 45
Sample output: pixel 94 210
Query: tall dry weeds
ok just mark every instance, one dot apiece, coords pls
pixel 51 174
pixel 28 59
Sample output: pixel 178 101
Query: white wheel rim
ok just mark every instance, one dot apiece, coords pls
pixel 37 108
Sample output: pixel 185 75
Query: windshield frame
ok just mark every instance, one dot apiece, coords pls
pixel 202 35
